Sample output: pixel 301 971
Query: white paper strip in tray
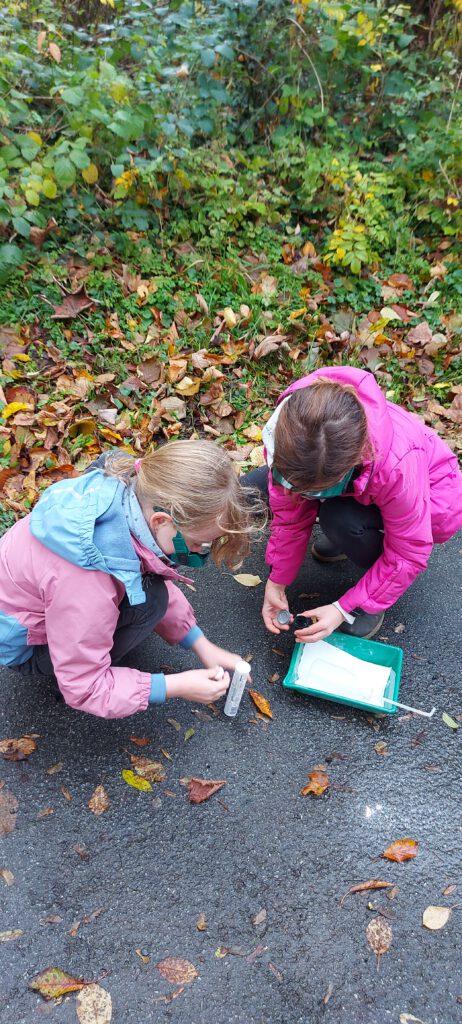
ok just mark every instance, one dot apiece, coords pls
pixel 326 669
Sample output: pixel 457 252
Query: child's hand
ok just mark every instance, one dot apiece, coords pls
pixel 210 654
pixel 327 618
pixel 202 685
pixel 275 601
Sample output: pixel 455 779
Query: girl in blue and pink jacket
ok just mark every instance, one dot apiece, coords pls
pixel 91 572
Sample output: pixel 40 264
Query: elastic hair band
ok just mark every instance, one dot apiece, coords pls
pixel 137 465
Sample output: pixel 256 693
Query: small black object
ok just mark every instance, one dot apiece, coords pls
pixel 301 622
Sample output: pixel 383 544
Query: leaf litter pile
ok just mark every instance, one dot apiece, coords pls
pixel 127 360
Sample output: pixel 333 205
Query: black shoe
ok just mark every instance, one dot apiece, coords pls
pixel 364 626
pixel 325 551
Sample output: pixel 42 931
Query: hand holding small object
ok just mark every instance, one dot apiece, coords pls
pixel 275 601
pixel 324 621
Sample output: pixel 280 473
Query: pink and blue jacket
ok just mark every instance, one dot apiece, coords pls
pixel 413 478
pixel 64 570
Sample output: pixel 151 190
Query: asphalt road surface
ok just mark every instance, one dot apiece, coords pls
pixel 152 863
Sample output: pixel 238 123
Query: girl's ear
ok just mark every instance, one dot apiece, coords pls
pixel 158 519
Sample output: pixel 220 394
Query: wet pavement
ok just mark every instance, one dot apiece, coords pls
pixel 152 862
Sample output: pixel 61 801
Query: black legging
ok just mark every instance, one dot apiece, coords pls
pixel 354 528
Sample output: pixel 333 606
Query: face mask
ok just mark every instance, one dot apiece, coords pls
pixel 329 492
pixel 184 556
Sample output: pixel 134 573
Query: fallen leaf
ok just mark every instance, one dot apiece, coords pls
pixel 54 768
pixel 45 812
pixel 94 1005
pixel 9 936
pixel 72 304
pixel 177 971
pixel 451 722
pixel 328 994
pixel 13 407
pixel 188 386
pixel 261 703
pixel 150 370
pixel 408 1018
pixel 402 849
pixel 135 780
pixel 373 883
pixel 99 802
pixel 274 678
pixel 277 973
pixel 402 281
pixel 229 316
pixel 271 343
pixel 66 793
pixel 435 918
pixel 175 725
pixel 189 733
pixel 146 959
pixel 140 741
pixel 259 918
pixel 202 789
pixel 381 748
pixel 53 983
pixel 379 936
pixel 448 891
pixel 317 785
pixel 17 750
pixel 247 580
pixel 201 923
pixel 55 52
pixel 8 876
pixel 400 627
pixel 153 771
pixel 8 812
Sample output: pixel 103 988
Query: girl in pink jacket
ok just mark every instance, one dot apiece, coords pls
pixel 89 574
pixel 385 487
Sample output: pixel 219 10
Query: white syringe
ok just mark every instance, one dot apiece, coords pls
pixel 236 688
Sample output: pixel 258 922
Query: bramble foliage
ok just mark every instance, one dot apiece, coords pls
pixel 222 116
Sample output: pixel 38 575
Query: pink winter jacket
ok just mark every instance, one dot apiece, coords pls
pixel 75 612
pixel 413 479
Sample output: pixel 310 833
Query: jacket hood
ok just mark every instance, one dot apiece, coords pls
pixel 82 519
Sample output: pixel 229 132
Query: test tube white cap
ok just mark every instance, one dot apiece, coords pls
pixel 243 668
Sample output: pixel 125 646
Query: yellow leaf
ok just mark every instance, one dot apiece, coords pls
pixel 261 703
pixel 21 357
pixel 297 313
pixel 253 432
pixel 229 317
pixel 135 780
pixel 90 174
pixel 35 138
pixel 14 407
pixel 247 580
pixel 188 386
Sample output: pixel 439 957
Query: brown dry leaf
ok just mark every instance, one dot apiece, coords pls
pixel 271 343
pixel 259 918
pixel 319 782
pixel 9 936
pixel 8 812
pixel 99 802
pixel 201 923
pixel 448 891
pixel 261 703
pixel 373 883
pixel 177 369
pixel 45 812
pixel 140 741
pixel 177 971
pixel 202 789
pixel 94 1005
pixel 7 876
pixel 54 768
pixel 402 849
pixel 55 52
pixel 381 748
pixel 379 936
pixel 420 335
pixel 153 771
pixel 72 304
pixel 53 982
pixel 66 793
pixel 435 918
pixel 150 370
pixel 266 285
pixel 17 749
pixel 401 281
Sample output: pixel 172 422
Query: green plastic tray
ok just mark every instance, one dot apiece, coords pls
pixel 367 650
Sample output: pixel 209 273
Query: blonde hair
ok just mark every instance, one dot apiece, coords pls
pixel 194 482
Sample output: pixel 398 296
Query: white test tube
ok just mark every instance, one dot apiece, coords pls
pixel 236 688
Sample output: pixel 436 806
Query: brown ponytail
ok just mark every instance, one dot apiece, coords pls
pixel 321 433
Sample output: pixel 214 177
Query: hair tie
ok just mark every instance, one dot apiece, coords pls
pixel 137 465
